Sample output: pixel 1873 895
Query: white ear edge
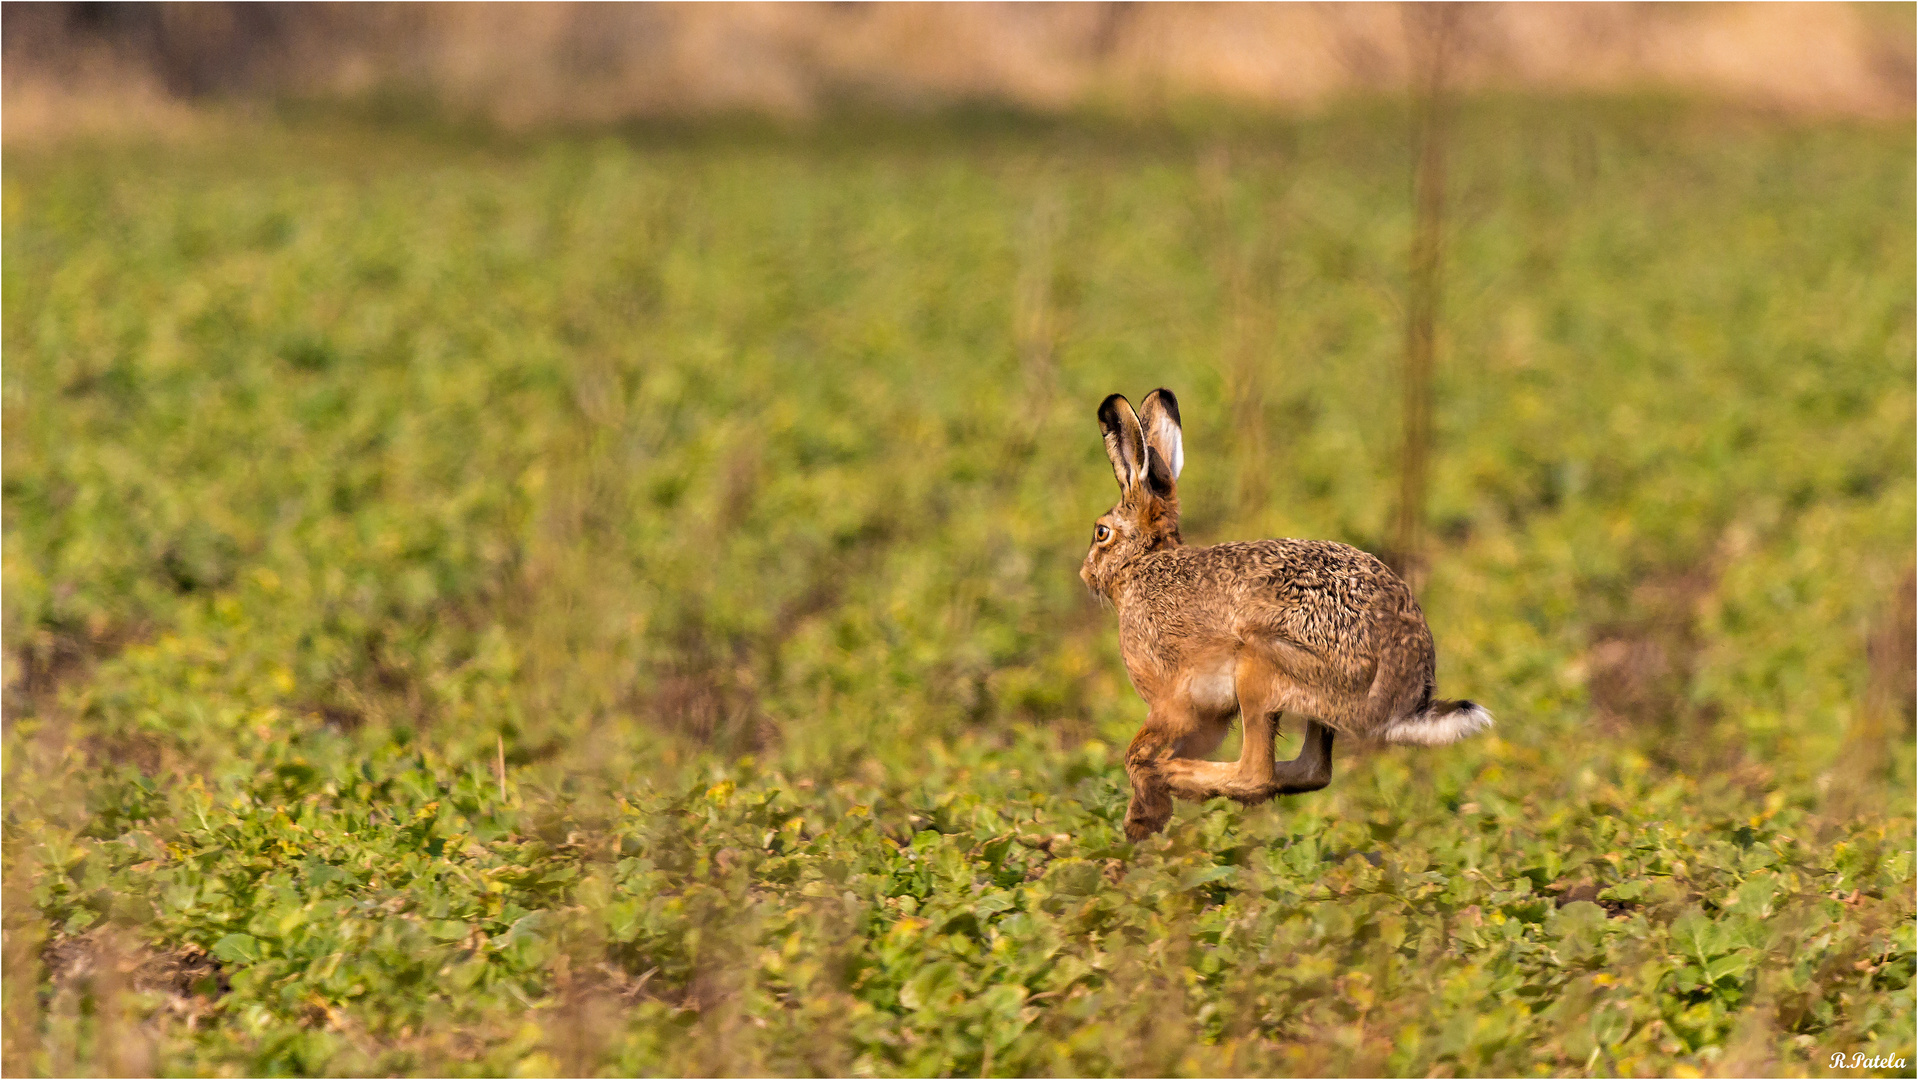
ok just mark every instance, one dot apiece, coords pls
pixel 1166 435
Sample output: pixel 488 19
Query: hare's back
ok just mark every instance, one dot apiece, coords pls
pixel 1320 594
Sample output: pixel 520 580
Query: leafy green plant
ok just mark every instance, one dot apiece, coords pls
pixel 607 605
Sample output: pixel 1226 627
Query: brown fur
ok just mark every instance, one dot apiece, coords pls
pixel 1254 629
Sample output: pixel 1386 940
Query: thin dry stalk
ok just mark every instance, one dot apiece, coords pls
pixel 1891 649
pixel 1431 29
pixel 1035 314
pixel 1247 269
pixel 1038 324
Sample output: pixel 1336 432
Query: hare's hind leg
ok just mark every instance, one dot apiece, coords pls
pixel 1264 694
pixel 1259 693
pixel 1259 689
pixel 1312 769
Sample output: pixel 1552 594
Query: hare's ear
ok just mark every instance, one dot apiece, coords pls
pixel 1125 440
pixel 1159 416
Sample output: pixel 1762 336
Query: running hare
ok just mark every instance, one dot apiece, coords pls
pixel 1260 628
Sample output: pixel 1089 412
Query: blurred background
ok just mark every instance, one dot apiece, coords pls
pixel 581 504
pixel 539 64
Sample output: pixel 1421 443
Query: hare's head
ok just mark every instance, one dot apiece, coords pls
pixel 1147 454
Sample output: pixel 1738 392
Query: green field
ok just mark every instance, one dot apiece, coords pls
pixel 730 484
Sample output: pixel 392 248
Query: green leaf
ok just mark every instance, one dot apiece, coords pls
pixel 1728 966
pixel 992 903
pixel 237 949
pixel 933 986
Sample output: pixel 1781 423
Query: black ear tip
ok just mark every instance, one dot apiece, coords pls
pixel 1109 409
pixel 1171 403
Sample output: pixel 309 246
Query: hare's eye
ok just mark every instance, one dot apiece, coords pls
pixel 1101 534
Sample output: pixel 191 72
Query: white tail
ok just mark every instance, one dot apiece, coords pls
pixel 1440 723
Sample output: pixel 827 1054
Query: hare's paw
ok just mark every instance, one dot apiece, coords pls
pixel 1140 826
pixel 1149 810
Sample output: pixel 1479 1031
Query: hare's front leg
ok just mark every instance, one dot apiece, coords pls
pixel 1158 762
pixel 1151 805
